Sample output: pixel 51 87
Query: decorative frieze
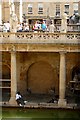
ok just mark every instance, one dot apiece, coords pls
pixel 39 47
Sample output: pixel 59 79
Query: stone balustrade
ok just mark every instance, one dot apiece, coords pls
pixel 70 27
pixel 31 37
pixel 43 42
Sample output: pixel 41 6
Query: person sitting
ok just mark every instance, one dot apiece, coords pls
pixel 51 101
pixel 19 99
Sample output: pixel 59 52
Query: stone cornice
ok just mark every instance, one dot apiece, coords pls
pixel 39 47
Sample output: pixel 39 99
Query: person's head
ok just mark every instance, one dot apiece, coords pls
pixel 18 93
pixel 43 22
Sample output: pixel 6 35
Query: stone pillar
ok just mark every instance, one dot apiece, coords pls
pixel 13 17
pixel 13 78
pixel 0 12
pixel 62 80
pixel 79 8
pixel 20 12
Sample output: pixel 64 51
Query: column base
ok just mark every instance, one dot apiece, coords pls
pixel 12 101
pixel 62 102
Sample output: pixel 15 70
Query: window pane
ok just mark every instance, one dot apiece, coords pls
pixel 57 9
pixel 40 8
pixel 29 8
pixel 67 9
pixel 75 7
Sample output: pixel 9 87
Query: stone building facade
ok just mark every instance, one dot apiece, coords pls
pixel 39 61
pixel 39 10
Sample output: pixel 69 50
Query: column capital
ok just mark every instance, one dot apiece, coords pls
pixel 13 49
pixel 62 52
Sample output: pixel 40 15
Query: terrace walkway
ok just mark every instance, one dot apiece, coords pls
pixel 42 101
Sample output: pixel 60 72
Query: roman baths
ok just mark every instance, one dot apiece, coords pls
pixel 39 53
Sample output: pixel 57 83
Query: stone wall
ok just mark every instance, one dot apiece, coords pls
pixel 40 71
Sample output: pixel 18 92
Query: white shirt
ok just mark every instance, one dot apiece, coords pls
pixel 7 26
pixel 19 27
pixel 18 96
pixel 26 27
pixel 51 28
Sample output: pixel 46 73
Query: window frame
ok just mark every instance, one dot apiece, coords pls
pixel 40 8
pixel 30 8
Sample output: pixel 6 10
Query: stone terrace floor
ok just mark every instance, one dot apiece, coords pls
pixel 42 101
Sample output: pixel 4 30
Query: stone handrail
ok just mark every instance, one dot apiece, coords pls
pixel 70 27
pixel 31 37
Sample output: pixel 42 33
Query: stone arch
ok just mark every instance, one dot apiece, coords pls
pixel 40 77
pixel 76 70
pixel 5 75
pixel 5 71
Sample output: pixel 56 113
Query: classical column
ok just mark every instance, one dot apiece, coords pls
pixel 62 80
pixel 0 12
pixel 13 78
pixel 20 11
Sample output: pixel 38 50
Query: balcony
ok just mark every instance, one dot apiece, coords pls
pixel 31 37
pixel 30 41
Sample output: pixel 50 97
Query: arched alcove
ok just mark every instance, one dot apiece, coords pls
pixel 5 82
pixel 76 71
pixel 40 77
pixel 6 72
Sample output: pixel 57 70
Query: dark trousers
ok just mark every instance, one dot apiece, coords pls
pixel 20 101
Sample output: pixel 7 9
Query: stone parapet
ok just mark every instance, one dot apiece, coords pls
pixel 31 37
pixel 55 42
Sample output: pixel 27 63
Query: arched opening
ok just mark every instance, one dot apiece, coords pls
pixel 73 88
pixel 5 82
pixel 40 77
pixel 76 71
pixel 5 72
pixel 75 83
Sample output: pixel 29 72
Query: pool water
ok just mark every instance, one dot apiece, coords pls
pixel 33 114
